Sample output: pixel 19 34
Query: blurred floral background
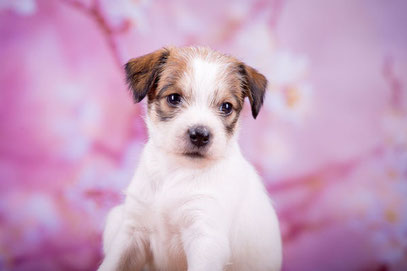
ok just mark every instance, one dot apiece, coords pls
pixel 330 142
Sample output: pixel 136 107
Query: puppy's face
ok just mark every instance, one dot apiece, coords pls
pixel 195 96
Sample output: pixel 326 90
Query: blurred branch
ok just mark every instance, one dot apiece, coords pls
pixel 266 5
pixel 94 11
pixel 298 227
pixel 258 7
pixel 317 182
pixel 339 170
pixel 277 6
pixel 395 85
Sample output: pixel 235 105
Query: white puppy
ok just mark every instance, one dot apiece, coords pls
pixel 194 203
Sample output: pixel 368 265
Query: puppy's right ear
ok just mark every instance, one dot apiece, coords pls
pixel 142 73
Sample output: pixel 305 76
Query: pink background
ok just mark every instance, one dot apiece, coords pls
pixel 330 142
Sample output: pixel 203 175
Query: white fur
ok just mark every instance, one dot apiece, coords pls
pixel 193 214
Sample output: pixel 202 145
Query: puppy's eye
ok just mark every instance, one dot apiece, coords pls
pixel 226 108
pixel 174 99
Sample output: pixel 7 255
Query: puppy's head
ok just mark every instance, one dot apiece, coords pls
pixel 195 96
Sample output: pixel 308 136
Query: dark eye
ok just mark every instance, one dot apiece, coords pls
pixel 174 99
pixel 226 108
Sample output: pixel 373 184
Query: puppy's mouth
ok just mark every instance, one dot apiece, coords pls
pixel 194 155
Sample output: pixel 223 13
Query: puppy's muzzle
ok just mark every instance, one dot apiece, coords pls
pixel 199 136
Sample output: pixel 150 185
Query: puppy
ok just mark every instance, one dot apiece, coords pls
pixel 194 203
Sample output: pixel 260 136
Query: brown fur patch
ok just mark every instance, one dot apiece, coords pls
pixel 143 73
pixel 169 83
pixel 231 94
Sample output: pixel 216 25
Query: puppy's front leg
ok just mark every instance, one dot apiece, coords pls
pixel 206 247
pixel 125 251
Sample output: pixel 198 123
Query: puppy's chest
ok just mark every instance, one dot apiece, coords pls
pixel 171 208
pixel 169 203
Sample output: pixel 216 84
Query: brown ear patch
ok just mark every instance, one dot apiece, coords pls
pixel 254 85
pixel 142 73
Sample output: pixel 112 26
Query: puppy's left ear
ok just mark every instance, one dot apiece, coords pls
pixel 254 85
pixel 142 73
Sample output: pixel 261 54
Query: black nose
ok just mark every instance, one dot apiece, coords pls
pixel 199 135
